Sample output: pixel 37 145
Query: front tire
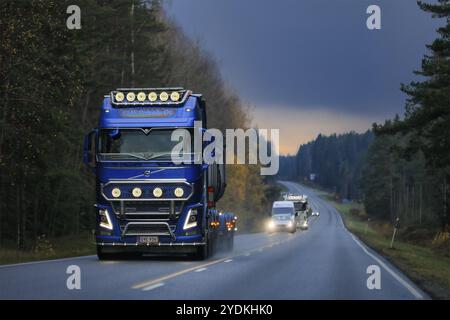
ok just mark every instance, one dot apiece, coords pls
pixel 102 256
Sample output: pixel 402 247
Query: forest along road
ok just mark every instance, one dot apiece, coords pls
pixel 324 262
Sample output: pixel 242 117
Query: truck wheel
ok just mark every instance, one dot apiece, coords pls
pixel 105 256
pixel 202 252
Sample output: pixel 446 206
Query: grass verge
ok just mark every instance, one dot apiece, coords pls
pixel 427 267
pixel 46 249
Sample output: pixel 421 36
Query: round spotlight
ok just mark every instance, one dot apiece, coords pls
pixel 141 96
pixel 163 96
pixel 152 96
pixel 116 192
pixel 131 96
pixel 175 96
pixel 179 192
pixel 157 192
pixel 119 96
pixel 137 192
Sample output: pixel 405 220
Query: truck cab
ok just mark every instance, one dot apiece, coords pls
pixel 145 201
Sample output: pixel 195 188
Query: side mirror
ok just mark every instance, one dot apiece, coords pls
pixel 89 149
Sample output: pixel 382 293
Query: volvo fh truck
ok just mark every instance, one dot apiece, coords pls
pixel 145 201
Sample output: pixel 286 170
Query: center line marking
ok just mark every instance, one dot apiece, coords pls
pixel 157 285
pixel 229 260
pixel 200 270
pixel 176 274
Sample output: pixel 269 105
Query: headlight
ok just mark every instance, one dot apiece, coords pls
pixel 152 96
pixel 163 96
pixel 179 192
pixel 105 221
pixel 157 192
pixel 116 192
pixel 289 224
pixel 174 96
pixel 191 219
pixel 271 224
pixel 137 192
pixel 131 96
pixel 141 96
pixel 119 96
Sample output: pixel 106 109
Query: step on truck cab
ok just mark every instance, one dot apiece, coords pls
pixel 145 201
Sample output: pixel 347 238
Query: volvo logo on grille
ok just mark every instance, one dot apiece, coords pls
pixel 147 173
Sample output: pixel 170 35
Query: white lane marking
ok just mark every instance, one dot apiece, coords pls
pixel 229 260
pixel 154 286
pixel 200 270
pixel 247 254
pixel 404 283
pixel 45 261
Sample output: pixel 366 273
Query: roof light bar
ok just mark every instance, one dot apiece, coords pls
pixel 149 96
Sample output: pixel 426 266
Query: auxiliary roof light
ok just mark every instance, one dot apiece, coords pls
pixel 163 96
pixel 175 96
pixel 152 96
pixel 119 96
pixel 131 96
pixel 141 96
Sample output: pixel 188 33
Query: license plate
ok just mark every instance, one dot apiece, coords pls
pixel 148 240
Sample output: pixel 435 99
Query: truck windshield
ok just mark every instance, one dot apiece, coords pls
pixel 300 206
pixel 282 210
pixel 141 144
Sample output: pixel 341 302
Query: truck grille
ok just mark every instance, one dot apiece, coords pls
pixel 135 210
pixel 147 229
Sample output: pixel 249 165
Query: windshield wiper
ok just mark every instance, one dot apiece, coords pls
pixel 167 154
pixel 121 155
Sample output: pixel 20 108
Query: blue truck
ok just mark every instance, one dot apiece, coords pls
pixel 145 201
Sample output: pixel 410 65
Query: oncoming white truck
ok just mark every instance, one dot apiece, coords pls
pixel 302 209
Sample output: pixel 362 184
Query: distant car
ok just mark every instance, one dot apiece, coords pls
pixel 315 213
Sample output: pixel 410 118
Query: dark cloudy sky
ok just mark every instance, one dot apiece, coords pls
pixel 311 66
